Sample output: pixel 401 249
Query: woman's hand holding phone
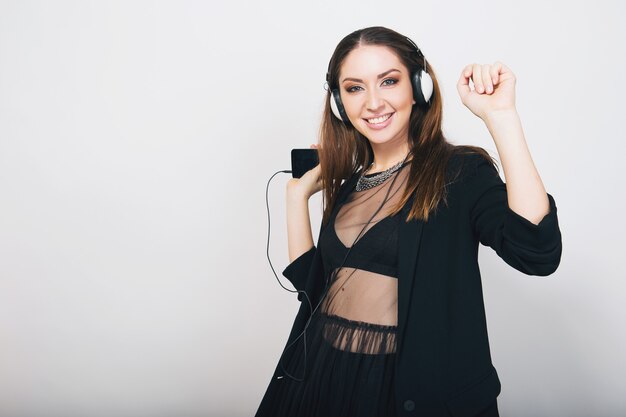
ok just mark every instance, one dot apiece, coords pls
pixel 307 185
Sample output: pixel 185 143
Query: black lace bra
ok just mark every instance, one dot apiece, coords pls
pixel 375 251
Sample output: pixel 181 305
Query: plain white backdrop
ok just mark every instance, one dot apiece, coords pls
pixel 136 142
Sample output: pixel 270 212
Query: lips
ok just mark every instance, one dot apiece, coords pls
pixel 382 124
pixel 378 119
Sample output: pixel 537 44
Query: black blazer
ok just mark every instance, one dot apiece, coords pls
pixel 443 364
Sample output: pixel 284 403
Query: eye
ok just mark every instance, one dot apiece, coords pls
pixel 391 79
pixel 351 89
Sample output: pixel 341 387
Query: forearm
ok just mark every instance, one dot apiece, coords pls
pixel 526 193
pixel 299 235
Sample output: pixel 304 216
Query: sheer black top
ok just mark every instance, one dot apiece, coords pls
pixel 365 289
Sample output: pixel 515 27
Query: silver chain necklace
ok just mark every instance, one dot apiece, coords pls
pixel 365 183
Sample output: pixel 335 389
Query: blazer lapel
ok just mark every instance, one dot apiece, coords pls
pixel 409 237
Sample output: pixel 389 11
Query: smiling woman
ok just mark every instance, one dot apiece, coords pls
pixel 378 107
pixel 392 320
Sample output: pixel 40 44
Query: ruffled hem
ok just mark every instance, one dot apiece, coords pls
pixel 338 382
pixel 358 336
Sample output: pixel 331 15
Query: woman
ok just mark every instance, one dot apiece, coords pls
pixel 392 317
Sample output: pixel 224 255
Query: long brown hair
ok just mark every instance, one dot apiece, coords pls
pixel 343 150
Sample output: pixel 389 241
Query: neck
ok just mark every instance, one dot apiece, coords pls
pixel 385 157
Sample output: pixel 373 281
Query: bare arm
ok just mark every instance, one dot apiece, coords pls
pixel 526 193
pixel 299 234
pixel 299 190
pixel 493 100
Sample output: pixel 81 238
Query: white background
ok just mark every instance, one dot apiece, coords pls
pixel 136 142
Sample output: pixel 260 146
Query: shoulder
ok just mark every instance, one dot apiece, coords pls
pixel 466 160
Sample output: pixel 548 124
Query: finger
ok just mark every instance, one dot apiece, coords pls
pixel 462 85
pixel 495 71
pixel 467 72
pixel 496 68
pixel 477 78
pixel 486 77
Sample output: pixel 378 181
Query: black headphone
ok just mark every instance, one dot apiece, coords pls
pixel 422 89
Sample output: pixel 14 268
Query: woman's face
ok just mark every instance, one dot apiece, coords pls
pixel 373 82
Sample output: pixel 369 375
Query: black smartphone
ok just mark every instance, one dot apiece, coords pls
pixel 303 160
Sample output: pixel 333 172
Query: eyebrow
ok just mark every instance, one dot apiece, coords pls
pixel 379 76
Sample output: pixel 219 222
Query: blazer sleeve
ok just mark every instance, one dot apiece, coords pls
pixel 297 271
pixel 534 249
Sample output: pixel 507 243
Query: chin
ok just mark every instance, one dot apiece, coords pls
pixel 381 136
pixel 379 141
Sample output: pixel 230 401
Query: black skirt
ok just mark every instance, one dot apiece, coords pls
pixel 339 380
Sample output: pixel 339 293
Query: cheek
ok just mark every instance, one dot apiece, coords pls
pixel 350 104
pixel 409 97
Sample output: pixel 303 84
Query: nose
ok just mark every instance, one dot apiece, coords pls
pixel 374 101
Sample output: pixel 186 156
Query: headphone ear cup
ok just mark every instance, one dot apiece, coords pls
pixel 337 107
pixel 422 87
pixel 427 85
pixel 333 105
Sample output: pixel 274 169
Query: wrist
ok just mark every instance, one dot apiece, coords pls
pixel 295 195
pixel 496 117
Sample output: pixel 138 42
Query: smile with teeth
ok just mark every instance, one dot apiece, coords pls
pixel 379 120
